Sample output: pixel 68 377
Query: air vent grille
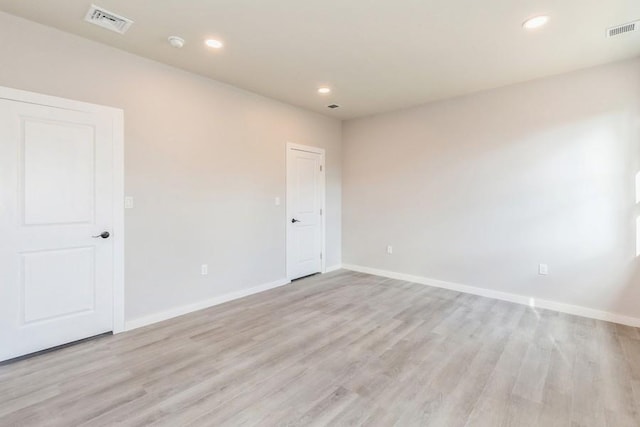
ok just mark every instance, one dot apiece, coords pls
pixel 109 20
pixel 622 29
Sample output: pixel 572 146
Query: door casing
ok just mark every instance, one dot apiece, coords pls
pixel 117 116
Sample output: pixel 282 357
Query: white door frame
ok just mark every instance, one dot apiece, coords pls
pixel 117 116
pixel 320 151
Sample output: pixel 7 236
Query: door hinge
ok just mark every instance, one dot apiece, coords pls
pixel 320 168
pixel 320 255
pixel 320 211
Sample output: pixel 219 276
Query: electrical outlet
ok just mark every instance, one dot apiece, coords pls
pixel 389 249
pixel 204 269
pixel 543 269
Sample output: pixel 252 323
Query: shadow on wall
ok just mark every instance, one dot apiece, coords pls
pixel 560 195
pixel 627 298
pixel 482 189
pixel 630 294
pixel 634 279
pixel 579 213
pixel 638 214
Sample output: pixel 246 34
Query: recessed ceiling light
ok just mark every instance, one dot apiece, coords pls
pixel 324 90
pixel 535 22
pixel 213 43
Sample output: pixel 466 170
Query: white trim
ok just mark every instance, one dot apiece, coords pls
pixel 333 268
pixel 118 222
pixel 118 181
pixel 323 203
pixel 504 296
pixel 53 101
pixel 185 309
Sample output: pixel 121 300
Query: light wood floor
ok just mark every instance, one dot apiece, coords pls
pixel 340 349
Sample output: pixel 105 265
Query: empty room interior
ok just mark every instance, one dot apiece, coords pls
pixel 320 213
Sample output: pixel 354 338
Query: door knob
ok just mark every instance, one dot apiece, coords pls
pixel 293 221
pixel 104 235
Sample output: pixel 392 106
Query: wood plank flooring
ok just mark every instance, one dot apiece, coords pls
pixel 340 349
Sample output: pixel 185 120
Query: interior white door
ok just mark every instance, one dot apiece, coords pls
pixel 56 179
pixel 304 207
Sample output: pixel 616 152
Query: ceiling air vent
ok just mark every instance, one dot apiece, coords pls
pixel 109 20
pixel 624 28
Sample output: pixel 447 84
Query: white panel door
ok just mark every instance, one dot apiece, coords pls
pixel 56 179
pixel 304 206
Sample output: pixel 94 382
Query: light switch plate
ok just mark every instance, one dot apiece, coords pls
pixel 128 202
pixel 543 269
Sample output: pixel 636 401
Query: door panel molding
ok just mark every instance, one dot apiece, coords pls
pixel 117 119
pixel 290 148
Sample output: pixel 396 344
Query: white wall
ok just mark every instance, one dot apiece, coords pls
pixel 476 190
pixel 479 190
pixel 204 162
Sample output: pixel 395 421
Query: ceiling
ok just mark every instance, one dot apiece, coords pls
pixel 376 55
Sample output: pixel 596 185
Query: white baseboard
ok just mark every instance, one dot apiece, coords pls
pixel 504 296
pixel 179 311
pixel 333 268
